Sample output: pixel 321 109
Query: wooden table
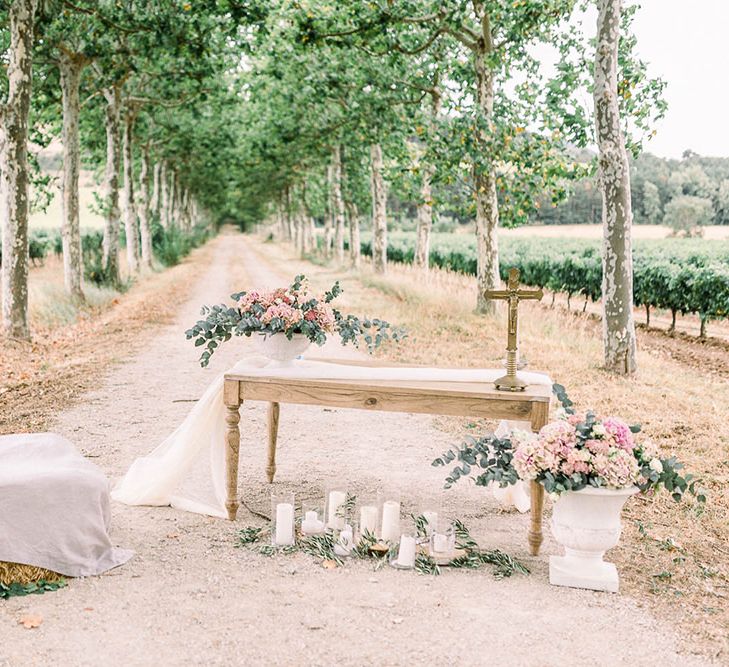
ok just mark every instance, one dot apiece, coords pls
pixel 461 399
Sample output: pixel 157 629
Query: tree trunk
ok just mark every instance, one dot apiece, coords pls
pixel 174 194
pixel 617 261
pixel 130 214
pixel 112 215
pixel 329 216
pixel 484 183
pixel 338 204
pixel 425 205
pixel 379 210
pixel 154 204
pixel 14 169
pixel 145 231
pixel 355 249
pixel 71 66
pixel 164 183
pixel 310 235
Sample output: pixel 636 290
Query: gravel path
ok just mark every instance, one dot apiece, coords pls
pixel 190 598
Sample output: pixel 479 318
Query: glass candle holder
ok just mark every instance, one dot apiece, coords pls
pixel 282 519
pixel 390 524
pixel 312 519
pixel 344 541
pixel 443 540
pixel 336 507
pixel 429 513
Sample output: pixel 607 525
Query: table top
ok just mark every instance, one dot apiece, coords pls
pixel 475 390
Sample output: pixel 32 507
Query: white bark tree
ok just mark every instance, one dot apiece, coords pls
pixel 14 201
pixel 130 212
pixel 617 217
pixel 425 205
pixel 145 231
pixel 337 204
pixel 379 210
pixel 329 216
pixel 155 201
pixel 71 66
pixel 355 250
pixel 112 214
pixel 484 178
pixel 164 196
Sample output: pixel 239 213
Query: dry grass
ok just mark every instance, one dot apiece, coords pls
pixel 673 557
pixel 70 349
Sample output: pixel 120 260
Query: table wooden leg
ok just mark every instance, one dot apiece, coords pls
pixel 232 449
pixel 273 412
pixel 537 508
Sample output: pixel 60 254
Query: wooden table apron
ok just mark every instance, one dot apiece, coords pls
pixel 463 399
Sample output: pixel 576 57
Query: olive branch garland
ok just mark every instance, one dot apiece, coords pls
pixel 321 547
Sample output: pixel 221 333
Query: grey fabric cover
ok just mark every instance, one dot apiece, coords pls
pixel 54 507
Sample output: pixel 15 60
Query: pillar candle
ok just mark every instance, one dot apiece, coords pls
pixel 391 521
pixel 406 553
pixel 368 519
pixel 431 521
pixel 336 500
pixel 284 524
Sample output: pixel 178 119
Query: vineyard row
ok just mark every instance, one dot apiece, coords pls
pixel 685 279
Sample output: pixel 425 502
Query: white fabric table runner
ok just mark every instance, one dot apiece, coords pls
pixel 160 478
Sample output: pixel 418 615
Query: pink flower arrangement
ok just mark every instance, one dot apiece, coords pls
pixel 290 311
pixel 581 448
pixel 572 452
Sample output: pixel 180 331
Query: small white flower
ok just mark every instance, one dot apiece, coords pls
pixel 598 430
pixel 656 465
pixel 560 413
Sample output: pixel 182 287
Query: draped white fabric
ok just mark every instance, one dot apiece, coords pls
pixel 187 470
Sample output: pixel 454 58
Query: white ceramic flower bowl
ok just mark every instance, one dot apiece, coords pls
pixel 280 350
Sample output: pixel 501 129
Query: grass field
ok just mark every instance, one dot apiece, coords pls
pixel 51 218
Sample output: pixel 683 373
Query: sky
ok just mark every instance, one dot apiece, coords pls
pixel 686 42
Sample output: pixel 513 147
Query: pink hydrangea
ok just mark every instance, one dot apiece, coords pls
pixel 618 433
pixel 618 469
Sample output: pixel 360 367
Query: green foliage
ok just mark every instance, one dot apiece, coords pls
pixel 687 214
pixel 34 588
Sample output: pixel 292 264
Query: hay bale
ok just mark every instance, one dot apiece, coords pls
pixel 17 573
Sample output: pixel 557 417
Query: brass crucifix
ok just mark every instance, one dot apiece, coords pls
pixel 511 381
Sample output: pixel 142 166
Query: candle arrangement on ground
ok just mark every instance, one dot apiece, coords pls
pixel 429 543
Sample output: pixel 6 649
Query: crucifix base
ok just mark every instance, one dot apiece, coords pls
pixel 510 383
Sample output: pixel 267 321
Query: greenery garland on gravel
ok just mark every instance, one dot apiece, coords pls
pixel 34 588
pixel 321 547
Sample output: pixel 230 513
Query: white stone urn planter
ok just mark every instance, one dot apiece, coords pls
pixel 587 523
pixel 280 350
